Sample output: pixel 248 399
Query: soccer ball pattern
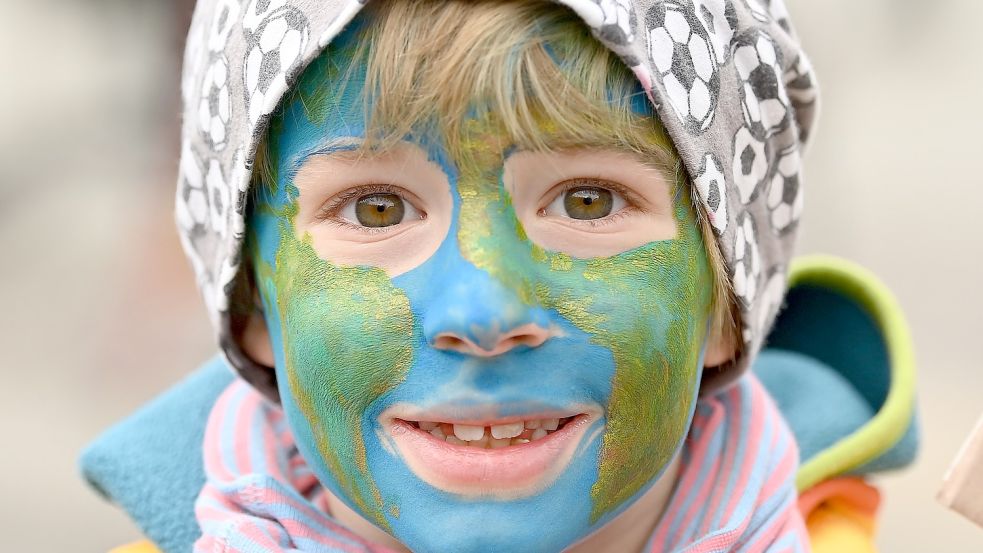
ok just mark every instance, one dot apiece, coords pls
pixel 717 71
pixel 784 192
pixel 274 49
pixel 193 218
pixel 763 98
pixel 203 197
pixel 194 61
pixel 757 10
pixel 192 205
pixel 612 20
pixel 769 302
pixel 215 104
pixel 799 82
pixel 259 11
pixel 219 197
pixel 778 12
pixel 680 50
pixel 226 15
pixel 802 92
pixel 765 10
pixel 719 19
pixel 712 188
pixel 749 165
pixel 747 261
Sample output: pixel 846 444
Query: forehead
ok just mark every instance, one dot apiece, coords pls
pixel 385 83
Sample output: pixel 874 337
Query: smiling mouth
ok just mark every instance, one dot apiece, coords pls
pixel 506 458
pixel 494 436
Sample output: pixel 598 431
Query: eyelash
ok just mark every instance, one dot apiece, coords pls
pixel 329 211
pixel 605 221
pixel 597 182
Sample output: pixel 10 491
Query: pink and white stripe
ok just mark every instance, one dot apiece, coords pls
pixel 735 492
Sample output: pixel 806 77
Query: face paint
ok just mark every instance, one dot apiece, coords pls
pixel 354 349
pixel 334 366
pixel 639 304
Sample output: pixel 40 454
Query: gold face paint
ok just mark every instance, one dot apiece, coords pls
pixel 347 336
pixel 350 344
pixel 649 306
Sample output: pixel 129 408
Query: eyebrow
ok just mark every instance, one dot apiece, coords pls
pixel 657 159
pixel 349 148
pixel 343 147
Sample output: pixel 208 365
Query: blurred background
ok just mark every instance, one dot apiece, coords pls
pixel 100 312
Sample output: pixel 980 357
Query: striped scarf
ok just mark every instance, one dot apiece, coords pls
pixel 736 489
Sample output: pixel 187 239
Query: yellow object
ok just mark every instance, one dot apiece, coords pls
pixel 840 515
pixel 144 546
pixel 837 527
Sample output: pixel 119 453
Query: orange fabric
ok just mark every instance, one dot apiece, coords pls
pixel 840 515
pixel 850 489
pixel 136 547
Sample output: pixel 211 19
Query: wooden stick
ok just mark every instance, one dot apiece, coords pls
pixel 962 487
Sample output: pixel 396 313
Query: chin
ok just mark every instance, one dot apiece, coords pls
pixel 482 528
pixel 545 519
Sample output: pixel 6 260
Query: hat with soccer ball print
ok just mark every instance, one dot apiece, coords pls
pixel 728 79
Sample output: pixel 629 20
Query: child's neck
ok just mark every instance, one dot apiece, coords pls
pixel 628 532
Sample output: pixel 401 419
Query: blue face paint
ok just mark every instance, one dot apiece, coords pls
pixel 355 351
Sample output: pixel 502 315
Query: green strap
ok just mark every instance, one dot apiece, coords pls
pixel 888 426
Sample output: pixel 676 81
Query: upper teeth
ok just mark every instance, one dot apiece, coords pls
pixel 469 433
pixel 510 430
pixel 494 436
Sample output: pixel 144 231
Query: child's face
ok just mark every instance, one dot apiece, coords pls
pixel 415 298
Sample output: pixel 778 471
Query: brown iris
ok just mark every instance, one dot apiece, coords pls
pixel 587 202
pixel 380 210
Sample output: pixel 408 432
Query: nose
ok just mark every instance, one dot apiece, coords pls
pixel 474 314
pixel 530 335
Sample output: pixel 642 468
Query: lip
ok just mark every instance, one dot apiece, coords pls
pixel 506 473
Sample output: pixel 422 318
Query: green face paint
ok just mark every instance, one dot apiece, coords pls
pixel 352 343
pixel 347 338
pixel 649 306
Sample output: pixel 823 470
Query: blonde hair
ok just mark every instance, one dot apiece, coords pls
pixel 529 64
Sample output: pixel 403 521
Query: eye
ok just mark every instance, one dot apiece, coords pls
pixel 378 209
pixel 586 203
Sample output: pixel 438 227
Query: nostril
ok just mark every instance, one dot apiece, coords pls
pixel 528 335
pixel 528 339
pixel 446 341
pixel 511 342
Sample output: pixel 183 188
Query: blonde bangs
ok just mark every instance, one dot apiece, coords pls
pixel 528 67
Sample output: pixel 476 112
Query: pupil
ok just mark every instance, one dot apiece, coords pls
pixel 588 202
pixel 380 210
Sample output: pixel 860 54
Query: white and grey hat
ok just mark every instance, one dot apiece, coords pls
pixel 727 78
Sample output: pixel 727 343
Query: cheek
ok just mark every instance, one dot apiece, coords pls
pixel 348 344
pixel 347 339
pixel 340 326
pixel 649 307
pixel 656 335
